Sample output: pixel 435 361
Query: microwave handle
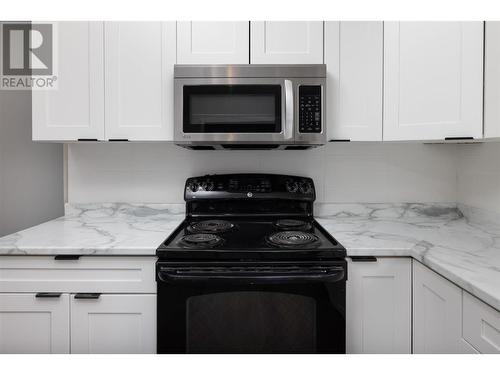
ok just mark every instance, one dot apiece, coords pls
pixel 288 133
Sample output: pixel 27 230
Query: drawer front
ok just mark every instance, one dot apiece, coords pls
pixel 481 325
pixel 86 274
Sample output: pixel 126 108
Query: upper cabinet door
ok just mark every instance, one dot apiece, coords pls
pixel 207 42
pixel 354 59
pixel 433 80
pixel 492 80
pixel 286 42
pixel 75 109
pixel 140 58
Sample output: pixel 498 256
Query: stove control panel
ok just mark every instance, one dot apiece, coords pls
pixel 249 186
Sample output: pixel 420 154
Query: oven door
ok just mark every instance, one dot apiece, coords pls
pixel 267 308
pixel 234 110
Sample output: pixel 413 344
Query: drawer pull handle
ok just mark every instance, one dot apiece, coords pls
pixel 363 259
pixel 87 295
pixel 48 295
pixel 67 257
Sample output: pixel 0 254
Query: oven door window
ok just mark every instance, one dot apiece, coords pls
pixel 274 318
pixel 251 322
pixel 232 109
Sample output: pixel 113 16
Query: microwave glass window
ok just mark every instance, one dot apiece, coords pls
pixel 232 109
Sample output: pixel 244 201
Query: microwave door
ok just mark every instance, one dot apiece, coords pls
pixel 234 111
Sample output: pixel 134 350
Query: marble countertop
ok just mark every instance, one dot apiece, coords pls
pixel 461 244
pixel 98 229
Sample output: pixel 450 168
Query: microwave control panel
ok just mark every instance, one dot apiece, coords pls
pixel 310 109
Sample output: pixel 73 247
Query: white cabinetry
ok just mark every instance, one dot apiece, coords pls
pixel 208 42
pixel 354 59
pixel 75 109
pixel 113 323
pixel 139 67
pixel 34 325
pixel 437 314
pixel 286 42
pixel 481 325
pixel 378 306
pixel 492 80
pixel 102 321
pixel 433 80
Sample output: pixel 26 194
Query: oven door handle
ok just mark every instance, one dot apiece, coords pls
pixel 325 275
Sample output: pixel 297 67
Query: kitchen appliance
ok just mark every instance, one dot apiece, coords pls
pixel 250 270
pixel 249 106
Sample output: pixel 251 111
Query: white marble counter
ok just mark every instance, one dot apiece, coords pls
pixel 466 250
pixel 99 229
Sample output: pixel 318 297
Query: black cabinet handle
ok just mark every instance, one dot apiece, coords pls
pixel 118 140
pixel 339 140
pixel 87 295
pixel 363 258
pixel 458 138
pixel 48 295
pixel 87 139
pixel 67 257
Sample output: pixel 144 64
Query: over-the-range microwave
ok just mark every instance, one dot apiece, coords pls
pixel 249 106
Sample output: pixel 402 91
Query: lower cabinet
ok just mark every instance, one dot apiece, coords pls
pixel 113 324
pixel 378 305
pixel 34 323
pixel 481 325
pixel 437 316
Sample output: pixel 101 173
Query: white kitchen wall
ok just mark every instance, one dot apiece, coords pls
pixel 356 172
pixel 31 174
pixel 478 170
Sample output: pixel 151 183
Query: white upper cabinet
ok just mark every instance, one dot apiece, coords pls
pixel 437 314
pixel 139 65
pixel 492 80
pixel 75 109
pixel 354 59
pixel 286 42
pixel 433 80
pixel 378 306
pixel 208 42
pixel 34 325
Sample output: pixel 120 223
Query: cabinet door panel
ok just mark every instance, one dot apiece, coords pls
pixel 208 42
pixel 75 109
pixel 378 315
pixel 140 58
pixel 433 80
pixel 286 42
pixel 437 315
pixel 115 324
pixel 492 80
pixel 30 325
pixel 481 325
pixel 354 56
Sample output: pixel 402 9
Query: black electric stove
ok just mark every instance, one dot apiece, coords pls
pixel 249 270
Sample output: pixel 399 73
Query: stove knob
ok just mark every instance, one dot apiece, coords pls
pixel 210 185
pixel 305 187
pixel 292 186
pixel 193 186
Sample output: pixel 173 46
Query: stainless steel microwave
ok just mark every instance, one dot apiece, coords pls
pixel 249 106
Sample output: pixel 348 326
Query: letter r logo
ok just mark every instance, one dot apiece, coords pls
pixel 27 49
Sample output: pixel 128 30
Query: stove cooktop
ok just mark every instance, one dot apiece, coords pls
pixel 250 238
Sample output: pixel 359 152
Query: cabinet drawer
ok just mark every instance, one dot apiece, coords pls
pixel 481 325
pixel 86 274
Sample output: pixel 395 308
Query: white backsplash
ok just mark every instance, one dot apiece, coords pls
pixel 479 176
pixel 356 172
